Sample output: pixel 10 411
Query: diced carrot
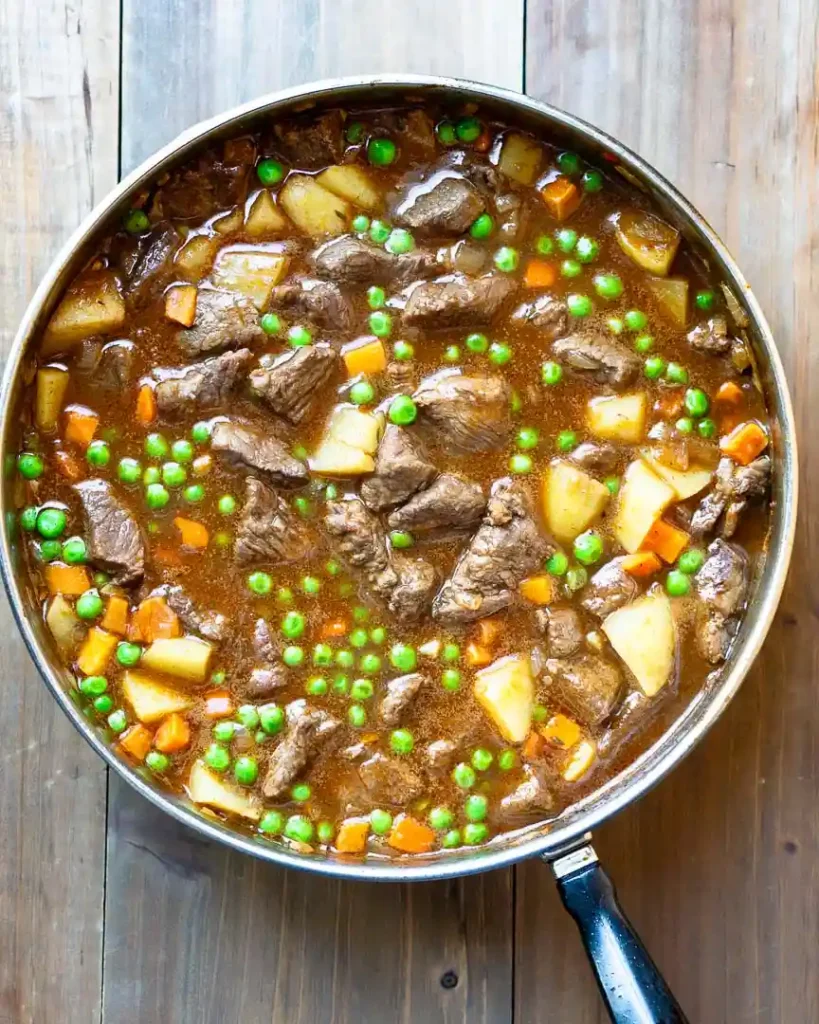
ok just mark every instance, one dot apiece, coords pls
pixel 137 741
pixel 194 535
pixel 173 735
pixel 80 425
pixel 180 304
pixel 562 197
pixel 410 836
pixel 729 392
pixel 68 580
pixel 352 835
pixel 488 631
pixel 665 540
pixel 643 563
pixel 537 589
pixel 483 142
pixel 67 466
pixel 745 442
pixel 115 619
pixel 155 620
pixel 561 731
pixel 218 704
pixel 336 627
pixel 539 274
pixel 366 357
pixel 146 405
pixel 670 404
pixel 96 651
pixel 532 746
pixel 477 655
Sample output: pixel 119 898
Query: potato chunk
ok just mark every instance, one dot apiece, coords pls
pixel 686 483
pixel 358 429
pixel 186 657
pixel 92 305
pixel 251 272
pixel 353 184
pixel 64 624
pixel 52 383
pixel 671 294
pixel 506 692
pixel 520 158
pixel 648 241
pixel 643 499
pixel 644 636
pixel 618 417
pixel 572 500
pixel 314 209
pixel 335 458
pixel 204 787
pixel 150 699
pixel 265 219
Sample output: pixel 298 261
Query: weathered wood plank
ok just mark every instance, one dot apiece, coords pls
pixel 193 932
pixel 58 155
pixel 718 866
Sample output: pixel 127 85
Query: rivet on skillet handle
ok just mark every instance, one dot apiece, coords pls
pixel 633 989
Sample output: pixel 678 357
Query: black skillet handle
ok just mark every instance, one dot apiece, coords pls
pixel 633 989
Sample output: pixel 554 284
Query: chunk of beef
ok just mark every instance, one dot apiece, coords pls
pixel 546 314
pixel 529 796
pixel 595 458
pixel 401 469
pixel 400 375
pixel 390 781
pixel 310 731
pixel 457 301
pixel 312 143
pixel 506 549
pixel 401 692
pixel 633 713
pixel 608 362
pixel 404 585
pixel 264 646
pixel 587 685
pixel 320 301
pixel 734 486
pixel 204 385
pixel 266 680
pixel 115 542
pixel 469 414
pixel 722 587
pixel 147 265
pixel 290 382
pixel 447 204
pixel 117 365
pixel 208 624
pixel 711 337
pixel 562 628
pixel 223 320
pixel 349 260
pixel 468 257
pixel 440 754
pixel 512 216
pixel 216 181
pixel 247 445
pixel 609 589
pixel 448 504
pixel 269 530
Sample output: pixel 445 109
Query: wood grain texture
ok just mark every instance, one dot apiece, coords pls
pixel 192 931
pixel 719 867
pixel 58 68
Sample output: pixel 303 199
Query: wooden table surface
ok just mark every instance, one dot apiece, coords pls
pixel 111 912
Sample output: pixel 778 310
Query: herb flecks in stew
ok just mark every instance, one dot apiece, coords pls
pixel 390 478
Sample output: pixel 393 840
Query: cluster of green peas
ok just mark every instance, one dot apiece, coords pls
pixel 579 250
pixel 95 690
pixel 50 523
pixel 571 165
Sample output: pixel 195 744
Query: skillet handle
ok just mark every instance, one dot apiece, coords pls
pixel 633 989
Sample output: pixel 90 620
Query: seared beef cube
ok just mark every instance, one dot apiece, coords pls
pixel 546 313
pixel 722 587
pixel 529 796
pixel 412 594
pixel 264 646
pixel 309 733
pixel 210 625
pixel 216 181
pixel 116 366
pixel 401 469
pixel 512 216
pixel 457 301
pixel 269 530
pixel 609 589
pixel 401 693
pixel 734 486
pixel 446 205
pixel 115 542
pixel 349 260
pixel 562 629
pixel 146 267
pixel 253 448
pixel 290 382
pixel 595 458
pixel 390 781
pixel 320 301
pixel 223 320
pixel 588 686
pixel 469 414
pixel 607 362
pixel 711 337
pixel 440 754
pixel 205 385
pixel 448 504
pixel 507 548
pixel 265 681
pixel 312 143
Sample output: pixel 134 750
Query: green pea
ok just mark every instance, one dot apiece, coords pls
pixel 270 323
pixel 403 351
pixel 451 679
pixel 74 551
pixel 446 133
pixel 566 239
pixel 576 578
pixel 357 716
pixel 128 654
pixel 592 181
pixel 579 305
pixel 299 829
pixel 358 638
pixel 569 163
pixel 381 152
pixel 30 466
pixel 586 250
pixel 506 259
pixel 50 550
pixel 705 300
pixel 612 484
pixel 401 741
pixel 311 585
pixel 527 438
pixel 643 343
pixel 403 410
pixel 260 583
pixel 322 655
pixel 129 470
pixel 301 792
pixel 571 268
pixel 28 518
pixel 677 583
pixel 399 241
pixel 173 475
pixel 217 757
pixel 299 337
pixel 482 759
pixel 696 402
pixel 452 354
pixel 380 821
pixel 89 604
pixel 381 323
pixel 344 658
pixel 376 297
pixel 103 704
pixel 325 830
pixel 361 613
pixel 362 393
pixel 451 653
pixel 200 432
pixel 608 286
pixel 676 374
pixel 482 227
pixel 317 686
pixel 540 713
pixel 93 686
pixel 136 222
pixel 331 492
pixel 706 428
pixel 463 776
pixel 293 656
pixel 451 839
pixel 284 595
pixel 440 818
pixel 218 677
pixel 566 440
pixel 354 132
pixel 223 539
pixel 520 464
pixel 362 689
pixel 246 770
pixel 635 320
pixel 117 721
pixel 378 635
pixel 476 807
pixel 654 367
pixel 403 657
pixel 499 353
pixel 151 475
pixel 361 223
pixel 98 453
pixel 269 172
pixel 515 402
pixel 379 231
pixel 156 496
pixel 557 564
pixel 690 561
pixel 507 759
pixel 226 505
pixel 156 447
pixel 370 664
pixel 303 506
pixel 51 522
pixel 588 548
pixel 475 833
pixel 684 425
pixel 551 373
pixel 468 129
pixel 271 823
pixel 223 731
pixel 271 718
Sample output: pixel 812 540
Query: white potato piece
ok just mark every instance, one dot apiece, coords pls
pixel 205 787
pixel 314 209
pixel 686 483
pixel 195 258
pixel 186 657
pixel 357 429
pixel 353 184
pixel 506 691
pixel 643 499
pixel 52 383
pixel 618 417
pixel 92 305
pixel 671 294
pixel 644 636
pixel 335 458
pixel 251 272
pixel 520 158
pixel 64 624
pixel 572 500
pixel 648 241
pixel 150 699
pixel 264 218
pixel 230 222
